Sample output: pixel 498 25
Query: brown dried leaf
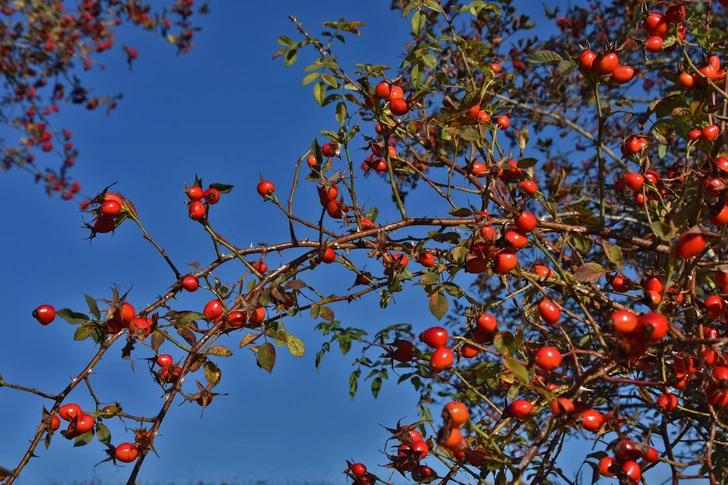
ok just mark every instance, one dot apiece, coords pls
pixel 589 273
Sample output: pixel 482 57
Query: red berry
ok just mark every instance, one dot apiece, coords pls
pixel 213 309
pixel 434 337
pixel 549 312
pixel 126 452
pixel 520 409
pixel 547 358
pixel 383 90
pixel 110 208
pixel 44 314
pixel 426 259
pixel 486 323
pixel 503 121
pixel 328 256
pixel 190 283
pixel 562 405
pixel 526 222
pixel 197 210
pixel 195 193
pixel 690 244
pixel 624 321
pixel 667 401
pixel 652 325
pixel 586 59
pixel 266 188
pixel 442 358
pixel 592 420
pixel 357 469
pixel 398 107
pixel 164 360
pixel 212 196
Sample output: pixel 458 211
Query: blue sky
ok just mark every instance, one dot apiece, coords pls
pixel 227 112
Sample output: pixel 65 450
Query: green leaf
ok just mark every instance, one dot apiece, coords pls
pixel 417 73
pixel 222 188
pixel 341 112
pixel 662 230
pixel 438 305
pixel 527 162
pixel 372 214
pixel 418 22
pixel 84 331
pixel 330 80
pixel 376 386
pixel 189 317
pixel 310 78
pixel 518 369
pixel 290 57
pixel 428 279
pixel 93 307
pixel 505 343
pixel 614 254
pixel 460 212
pixel 319 93
pixel 445 237
pixel 84 439
pixel 267 356
pixel 72 317
pixel 353 383
pixel 103 434
pixel 544 57
pixel 295 345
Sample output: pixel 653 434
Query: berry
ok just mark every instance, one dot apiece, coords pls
pixel 434 337
pixel 426 259
pixel 213 309
pixel 212 196
pixel 667 401
pixel 357 469
pixel 266 188
pixel 562 405
pixel 126 452
pixel 190 283
pixel 456 412
pixel 592 420
pixel 486 323
pixel 45 314
pixel 441 359
pixel 624 321
pixel 549 312
pixel 547 358
pixel 690 244
pixel 197 210
pixel 520 409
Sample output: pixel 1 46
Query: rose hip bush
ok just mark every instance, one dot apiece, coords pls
pixel 580 283
pixel 46 45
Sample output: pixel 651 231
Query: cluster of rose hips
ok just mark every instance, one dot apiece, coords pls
pixel 605 65
pixel 624 462
pixel 392 94
pixel 710 70
pixel 201 200
pixel 657 27
pixel 110 210
pixel 499 254
pixel 53 39
pixel 80 423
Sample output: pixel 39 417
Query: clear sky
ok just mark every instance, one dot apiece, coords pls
pixel 227 112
